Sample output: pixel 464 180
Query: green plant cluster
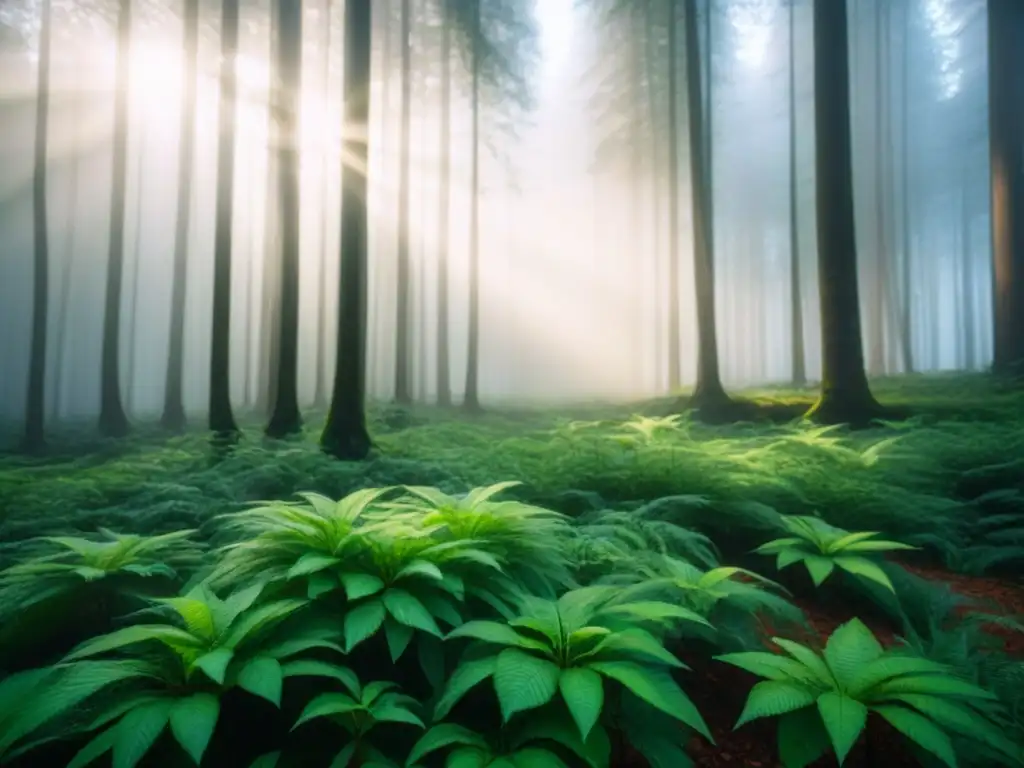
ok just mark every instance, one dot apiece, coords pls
pixel 406 626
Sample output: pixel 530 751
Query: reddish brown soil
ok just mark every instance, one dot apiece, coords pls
pixel 720 691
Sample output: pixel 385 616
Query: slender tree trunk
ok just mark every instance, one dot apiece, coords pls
pixel 113 421
pixel 673 337
pixel 221 417
pixel 967 276
pixel 651 49
pixel 708 393
pixel 133 327
pixel 173 418
pixel 35 406
pixel 444 385
pixel 907 318
pixel 403 378
pixel 286 419
pixel 796 297
pixel 471 399
pixel 1006 126
pixel 345 435
pixel 876 346
pixel 845 394
pixel 320 391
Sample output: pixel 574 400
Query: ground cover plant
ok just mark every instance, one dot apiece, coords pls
pixel 526 589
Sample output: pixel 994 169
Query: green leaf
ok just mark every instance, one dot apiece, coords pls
pixel 256 620
pixel 808 658
pixel 583 692
pixel 398 636
pixel 390 709
pixel 95 749
pixel 843 542
pixel 140 633
pixel 215 664
pixel 523 682
pixel 819 567
pixel 861 566
pixel 263 677
pixel 535 757
pixel 491 632
pixel 328 704
pixel 657 688
pixel 430 654
pixel 958 718
pixel 921 731
pixel 654 610
pixel 788 557
pixel 441 736
pixel 466 676
pixel 363 621
pixel 360 585
pixel 772 698
pixel 421 568
pixel 929 684
pixel 633 641
pixel 269 760
pixel 196 614
pixel 468 757
pixel 890 666
pixel 844 720
pixel 316 668
pixel 193 720
pixel 777 545
pixel 137 731
pixel 344 757
pixel 309 563
pixel 802 738
pixel 320 584
pixel 408 610
pixel 771 666
pixel 849 649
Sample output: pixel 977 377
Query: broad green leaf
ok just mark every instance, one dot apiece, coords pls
pixel 523 682
pixel 319 584
pixel 317 668
pixel 137 731
pixel 655 611
pixel 921 731
pixel 844 720
pixel 421 568
pixel 861 566
pixel 890 666
pixel 328 704
pixel 802 738
pixel 441 736
pixel 468 757
pixel 929 684
pixel 466 676
pixel 771 698
pixel 193 720
pixel 808 658
pixel 140 633
pixel 959 718
pixel 262 676
pixel 390 710
pixel 360 585
pixel 771 666
pixel 196 614
pixel 819 567
pixel 410 611
pixel 363 621
pixel 491 632
pixel 344 757
pixel 398 637
pixel 837 545
pixel 849 649
pixel 777 545
pixel 310 563
pixel 633 642
pixel 657 688
pixel 95 749
pixel 215 664
pixel 258 619
pixel 583 692
pixel 788 557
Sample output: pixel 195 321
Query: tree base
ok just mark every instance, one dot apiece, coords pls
pixel 284 425
pixel 346 442
pixel 114 423
pixel 173 420
pixel 856 413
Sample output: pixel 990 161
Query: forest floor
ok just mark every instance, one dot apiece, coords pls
pixel 950 480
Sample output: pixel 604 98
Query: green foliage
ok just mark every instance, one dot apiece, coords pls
pixel 821 547
pixel 823 701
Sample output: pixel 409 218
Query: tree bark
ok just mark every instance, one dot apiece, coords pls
pixel 796 329
pixel 320 364
pixel 471 398
pixel 845 394
pixel 345 436
pixel 403 377
pixel 444 383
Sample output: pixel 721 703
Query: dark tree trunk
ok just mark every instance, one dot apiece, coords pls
pixel 907 316
pixel 320 390
pixel 133 320
pixel 173 417
pixel 444 383
pixel 221 418
pixel 471 399
pixel 672 338
pixel 35 406
pixel 286 419
pixel 403 377
pixel 345 435
pixel 113 420
pixel 845 394
pixel 1006 127
pixel 876 345
pixel 967 276
pixel 708 394
pixel 796 296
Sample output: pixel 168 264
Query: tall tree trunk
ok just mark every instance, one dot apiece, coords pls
pixel 403 377
pixel 286 419
pixel 133 321
pixel 673 336
pixel 173 418
pixel 967 276
pixel 320 391
pixel 1006 127
pixel 708 393
pixel 444 384
pixel 35 406
pixel 113 421
pixel 345 435
pixel 471 399
pixel 651 49
pixel 845 394
pixel 221 418
pixel 876 345
pixel 906 264
pixel 796 297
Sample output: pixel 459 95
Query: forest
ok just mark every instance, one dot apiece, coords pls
pixel 511 384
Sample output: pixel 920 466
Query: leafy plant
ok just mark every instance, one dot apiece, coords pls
pixel 823 701
pixel 571 648
pixel 821 547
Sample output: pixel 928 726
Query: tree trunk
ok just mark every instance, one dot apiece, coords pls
pixel 133 321
pixel 444 384
pixel 708 393
pixel 35 406
pixel 286 419
pixel 672 339
pixel 967 276
pixel 345 435
pixel 113 421
pixel 876 345
pixel 471 399
pixel 221 419
pixel 845 394
pixel 173 418
pixel 907 318
pixel 796 329
pixel 1006 126
pixel 403 378
pixel 320 390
